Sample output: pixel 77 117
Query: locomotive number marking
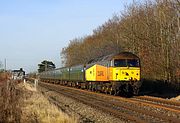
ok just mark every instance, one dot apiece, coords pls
pixel 100 73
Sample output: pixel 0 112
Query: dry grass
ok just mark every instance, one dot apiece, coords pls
pixel 23 104
pixel 176 98
pixel 10 111
pixel 2 76
pixel 38 109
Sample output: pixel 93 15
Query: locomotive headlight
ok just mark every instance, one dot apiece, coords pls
pixel 127 74
pixel 137 74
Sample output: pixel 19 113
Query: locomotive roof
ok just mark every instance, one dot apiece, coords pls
pixel 121 55
pixel 125 55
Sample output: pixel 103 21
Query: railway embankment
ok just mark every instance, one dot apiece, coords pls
pixel 10 102
pixel 23 103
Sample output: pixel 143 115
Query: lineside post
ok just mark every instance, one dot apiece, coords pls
pixel 35 83
pixel 24 81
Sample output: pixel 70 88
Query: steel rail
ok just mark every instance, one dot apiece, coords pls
pixel 139 102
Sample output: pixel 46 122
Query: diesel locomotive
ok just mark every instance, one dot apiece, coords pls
pixel 113 74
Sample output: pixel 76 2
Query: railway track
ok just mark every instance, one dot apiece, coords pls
pixel 90 101
pixel 159 102
pixel 128 109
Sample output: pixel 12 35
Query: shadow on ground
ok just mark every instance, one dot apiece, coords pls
pixel 159 89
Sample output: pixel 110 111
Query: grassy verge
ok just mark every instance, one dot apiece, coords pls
pixel 37 108
pixel 2 77
pixel 21 103
pixel 10 97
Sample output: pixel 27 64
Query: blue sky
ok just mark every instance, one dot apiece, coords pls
pixel 34 30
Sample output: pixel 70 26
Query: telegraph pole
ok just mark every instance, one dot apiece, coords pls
pixel 5 65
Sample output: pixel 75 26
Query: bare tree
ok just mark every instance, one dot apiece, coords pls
pixel 150 29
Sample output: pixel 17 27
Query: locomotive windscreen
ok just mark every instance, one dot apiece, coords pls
pixel 126 62
pixel 132 62
pixel 120 63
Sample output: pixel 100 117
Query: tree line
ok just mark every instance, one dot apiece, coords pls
pixel 150 29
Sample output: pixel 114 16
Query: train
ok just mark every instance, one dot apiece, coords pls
pixel 115 74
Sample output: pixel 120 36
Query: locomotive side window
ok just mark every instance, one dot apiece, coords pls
pixel 133 62
pixel 120 63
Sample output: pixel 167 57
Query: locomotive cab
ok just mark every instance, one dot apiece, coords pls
pixel 125 68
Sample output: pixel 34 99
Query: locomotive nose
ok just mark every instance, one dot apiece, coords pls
pixel 131 75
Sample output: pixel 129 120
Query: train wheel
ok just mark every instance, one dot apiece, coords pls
pixel 135 90
pixel 116 93
pixel 128 92
pixel 106 90
pixel 112 92
pixel 89 87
